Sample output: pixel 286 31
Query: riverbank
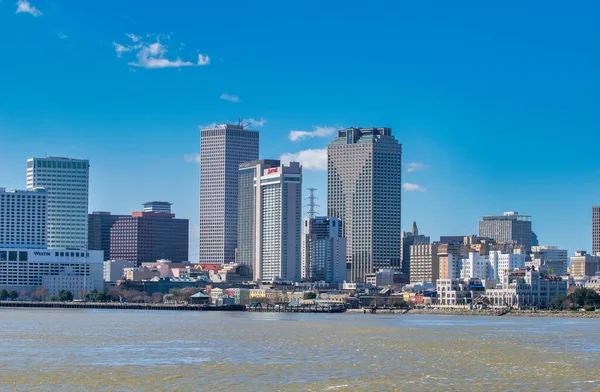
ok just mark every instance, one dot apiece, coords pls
pixel 117 306
pixel 479 312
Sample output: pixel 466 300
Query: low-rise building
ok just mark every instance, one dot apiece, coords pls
pixel 583 264
pixel 549 259
pixel 114 269
pixel 453 292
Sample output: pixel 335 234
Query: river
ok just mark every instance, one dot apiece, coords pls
pixel 120 350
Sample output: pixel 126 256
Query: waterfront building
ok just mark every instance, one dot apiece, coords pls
pixel 583 264
pixel 510 228
pixel 323 250
pixel 501 263
pixel 549 259
pixel 56 269
pixel 249 231
pixel 525 288
pixel 114 269
pixel 23 218
pixel 222 149
pixel 424 263
pixel 408 239
pixel 595 230
pixel 459 291
pixel 386 277
pixel 99 225
pixel 67 183
pixel 364 191
pixel 149 236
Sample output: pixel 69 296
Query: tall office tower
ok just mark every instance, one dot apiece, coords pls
pixel 364 191
pixel 549 258
pixel 23 218
pixel 323 250
pixel 410 238
pixel 146 237
pixel 510 228
pixel 222 150
pixel 249 201
pixel 424 263
pixel 273 232
pixel 158 206
pixel 99 225
pixel 67 183
pixel 595 230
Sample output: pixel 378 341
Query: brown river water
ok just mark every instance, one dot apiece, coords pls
pixel 120 350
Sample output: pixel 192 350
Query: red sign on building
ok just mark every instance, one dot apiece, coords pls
pixel 272 170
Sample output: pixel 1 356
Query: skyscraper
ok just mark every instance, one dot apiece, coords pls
pixel 510 228
pixel 67 183
pixel 364 191
pixel 222 150
pixel 595 230
pixel 23 218
pixel 99 225
pixel 272 233
pixel 323 250
pixel 410 238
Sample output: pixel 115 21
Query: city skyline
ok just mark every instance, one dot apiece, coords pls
pixel 462 121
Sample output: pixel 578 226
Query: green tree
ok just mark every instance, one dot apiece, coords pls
pixel 3 295
pixel 558 303
pixel 582 297
pixel 13 294
pixel 310 295
pixel 64 295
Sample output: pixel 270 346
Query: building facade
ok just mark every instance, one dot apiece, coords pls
pixel 475 266
pixel 364 191
pixel 56 269
pixel 222 150
pixel 502 263
pixel 323 250
pixel 458 291
pixel 408 239
pixel 99 225
pixel 23 218
pixel 145 237
pixel 67 183
pixel 595 230
pixel 510 228
pixel 114 269
pixel 424 263
pixel 158 207
pixel 549 259
pixel 583 264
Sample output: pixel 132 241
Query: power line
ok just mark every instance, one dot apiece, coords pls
pixel 311 203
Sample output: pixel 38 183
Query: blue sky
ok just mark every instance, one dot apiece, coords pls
pixel 497 106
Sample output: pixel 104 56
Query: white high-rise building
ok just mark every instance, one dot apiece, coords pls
pixel 23 218
pixel 67 183
pixel 222 150
pixel 502 263
pixel 276 225
pixel 476 266
pixel 323 250
pixel 549 259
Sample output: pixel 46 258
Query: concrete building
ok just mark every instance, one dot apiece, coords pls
pixel 424 263
pixel 56 269
pixel 450 260
pixel 249 202
pixel 502 263
pixel 145 237
pixel 408 239
pixel 222 150
pixel 455 292
pixel 476 266
pixel 114 269
pixel 510 228
pixel 364 170
pixel 595 230
pixel 158 207
pixel 323 250
pixel 583 264
pixel 549 259
pixel 386 277
pixel 23 218
pixel 526 288
pixel 67 183
pixel 99 225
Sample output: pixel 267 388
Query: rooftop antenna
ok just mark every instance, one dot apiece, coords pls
pixel 241 123
pixel 311 203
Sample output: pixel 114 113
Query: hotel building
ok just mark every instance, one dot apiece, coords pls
pixel 23 218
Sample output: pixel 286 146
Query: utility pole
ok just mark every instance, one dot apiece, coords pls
pixel 311 203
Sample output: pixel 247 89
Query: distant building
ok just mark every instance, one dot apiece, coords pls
pixel 149 236
pixel 424 263
pixel 510 228
pixel 459 291
pixel 583 264
pixel 408 239
pixel 56 269
pixel 222 149
pixel 386 277
pixel 549 259
pixel 67 183
pixel 158 206
pixel 323 250
pixel 23 218
pixel 364 170
pixel 502 263
pixel 449 255
pixel 99 225
pixel 114 269
pixel 595 230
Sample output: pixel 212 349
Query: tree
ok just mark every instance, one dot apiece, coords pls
pixel 3 295
pixel 310 295
pixel 40 293
pixel 13 294
pixel 558 303
pixel 583 297
pixel 64 295
pixel 23 294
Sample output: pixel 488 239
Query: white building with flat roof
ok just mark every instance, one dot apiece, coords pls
pixel 114 269
pixel 323 250
pixel 550 259
pixel 502 263
pixel 23 218
pixel 67 183
pixel 63 269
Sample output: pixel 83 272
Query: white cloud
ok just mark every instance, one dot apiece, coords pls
pixel 230 98
pixel 254 123
pixel 62 36
pixel 153 55
pixel 26 7
pixel 413 187
pixel 316 132
pixel 314 159
pixel 192 157
pixel 211 125
pixel 414 166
